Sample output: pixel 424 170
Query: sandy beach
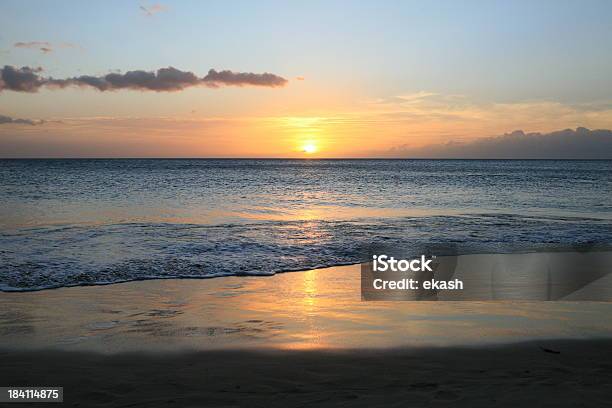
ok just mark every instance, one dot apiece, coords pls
pixel 545 374
pixel 297 339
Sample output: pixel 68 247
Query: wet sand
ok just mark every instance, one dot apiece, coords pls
pixel 319 309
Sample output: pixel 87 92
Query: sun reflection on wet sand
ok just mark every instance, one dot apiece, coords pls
pixel 300 310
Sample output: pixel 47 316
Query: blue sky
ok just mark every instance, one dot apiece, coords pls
pixel 495 50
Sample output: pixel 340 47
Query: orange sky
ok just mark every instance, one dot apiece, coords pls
pixel 357 84
pixel 364 129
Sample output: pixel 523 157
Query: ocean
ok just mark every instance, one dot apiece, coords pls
pixel 85 222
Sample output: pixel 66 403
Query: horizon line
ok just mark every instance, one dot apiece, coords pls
pixel 302 158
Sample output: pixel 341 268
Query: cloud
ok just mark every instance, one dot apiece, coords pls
pixel 228 78
pixel 416 96
pixel 43 46
pixel 153 9
pixel 23 79
pixel 169 79
pixel 581 143
pixel 8 120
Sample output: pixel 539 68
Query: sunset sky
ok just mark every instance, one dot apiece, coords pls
pixel 344 79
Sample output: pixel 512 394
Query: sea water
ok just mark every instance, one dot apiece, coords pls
pixel 84 222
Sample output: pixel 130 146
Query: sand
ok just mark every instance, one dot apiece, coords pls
pixel 568 373
pixel 301 339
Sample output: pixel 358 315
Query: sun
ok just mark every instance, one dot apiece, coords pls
pixel 309 148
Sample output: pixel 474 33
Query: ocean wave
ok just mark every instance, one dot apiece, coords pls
pixel 73 255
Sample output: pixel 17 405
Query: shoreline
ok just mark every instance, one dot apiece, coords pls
pixel 315 309
pixel 299 339
pixel 596 248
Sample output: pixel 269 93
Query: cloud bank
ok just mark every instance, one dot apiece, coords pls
pixel 581 143
pixel 28 79
pixel 4 120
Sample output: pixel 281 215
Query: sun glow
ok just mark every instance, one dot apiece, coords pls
pixel 309 148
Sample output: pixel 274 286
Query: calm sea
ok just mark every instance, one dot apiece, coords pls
pixel 78 222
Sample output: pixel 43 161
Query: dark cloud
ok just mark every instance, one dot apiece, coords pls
pixel 581 143
pixel 229 78
pixel 169 79
pixel 165 79
pixel 23 79
pixel 8 120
